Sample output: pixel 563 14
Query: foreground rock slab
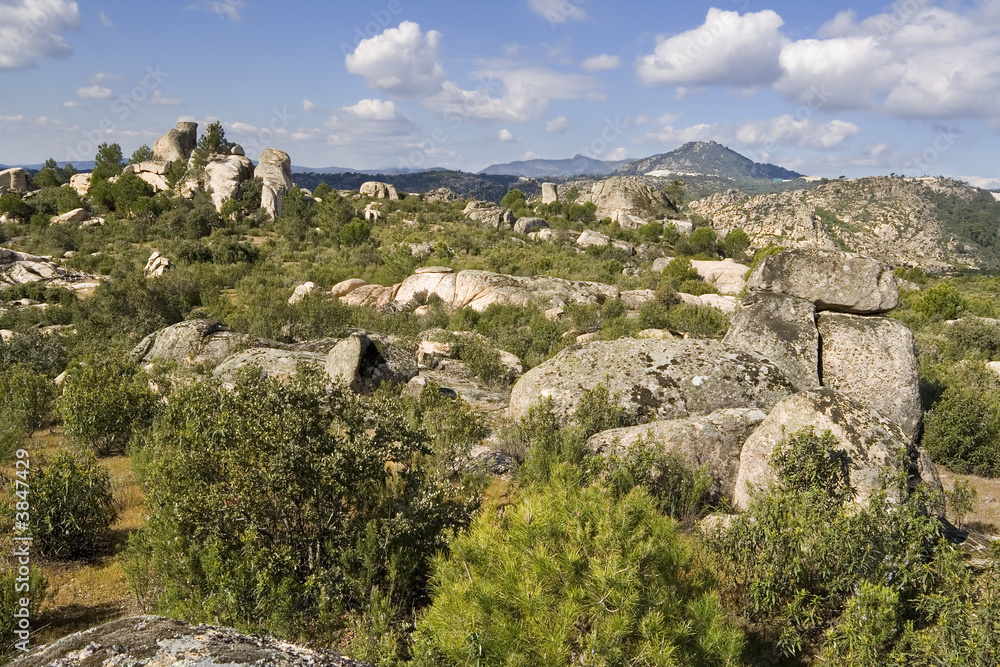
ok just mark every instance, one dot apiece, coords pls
pixel 654 379
pixel 143 641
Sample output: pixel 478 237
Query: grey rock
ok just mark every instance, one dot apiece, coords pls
pixel 490 461
pixel 783 329
pixel 191 343
pixel 873 446
pixel 20 268
pixel 550 193
pixel 150 641
pixel 508 219
pixel 441 195
pixel 177 144
pixel 14 180
pixel 484 212
pixel 589 237
pixel 654 379
pixel 874 361
pixel 76 215
pixel 378 190
pixel 714 440
pixel 364 362
pixel 629 201
pixel 837 281
pixel 224 174
pixel 529 225
pixel 275 170
pixel 272 363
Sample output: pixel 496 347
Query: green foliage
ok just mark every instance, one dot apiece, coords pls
pixel 141 154
pixel 962 430
pixel 105 400
pixel 33 350
pixel 678 270
pixel 13 588
pixel 127 309
pixel 514 200
pixel 572 575
pixel 763 253
pixel 961 500
pixel 940 302
pixel 735 244
pixel 355 232
pixel 72 507
pixel 484 362
pixel 279 506
pixel 107 163
pixel 26 398
pixel 698 321
pixel 599 411
pixel 702 241
pixel 975 338
pixel 913 274
pixel 675 192
pixel 50 175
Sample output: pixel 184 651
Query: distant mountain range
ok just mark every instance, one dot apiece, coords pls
pixel 578 165
pixel 701 158
pixel 80 166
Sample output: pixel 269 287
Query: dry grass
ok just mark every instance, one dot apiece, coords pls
pixel 985 515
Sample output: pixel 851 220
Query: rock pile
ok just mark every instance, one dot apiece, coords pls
pixel 378 190
pixel 19 268
pixel 628 201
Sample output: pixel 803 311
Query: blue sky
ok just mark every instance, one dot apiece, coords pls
pixel 823 88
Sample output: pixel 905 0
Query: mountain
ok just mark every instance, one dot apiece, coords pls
pixel 700 158
pixel 578 165
pixel 87 165
pixel 352 170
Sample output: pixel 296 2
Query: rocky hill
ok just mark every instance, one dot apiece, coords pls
pixel 700 158
pixel 575 166
pixel 933 223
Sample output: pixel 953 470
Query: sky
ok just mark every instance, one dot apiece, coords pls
pixel 828 89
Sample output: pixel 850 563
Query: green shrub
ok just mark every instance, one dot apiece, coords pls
pixel 72 507
pixel 698 321
pixel 484 362
pixel 962 431
pixel 14 587
pixel 105 400
pixel 940 302
pixel 572 575
pixel 702 241
pixel 735 244
pixel 678 270
pixel 25 401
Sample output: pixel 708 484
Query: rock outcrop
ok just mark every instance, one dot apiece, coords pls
pixel 629 201
pixel 80 183
pixel 653 379
pixel 714 440
pixel 223 176
pixel 364 362
pixel 192 343
pixel 19 268
pixel 274 168
pixel 727 276
pixel 157 265
pixel 272 363
pixel 76 215
pixel 150 641
pixel 378 190
pixel 302 291
pixel 529 225
pixel 152 172
pixel 873 446
pixel 550 193
pixel 485 213
pixel 15 180
pixel 177 144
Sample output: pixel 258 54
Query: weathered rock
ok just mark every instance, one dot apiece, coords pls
pixel 224 174
pixel 479 289
pixel 529 225
pixel 484 212
pixel 874 361
pixel 279 364
pixel 157 265
pixel 637 298
pixel 550 193
pixel 20 268
pixel 177 144
pixel 274 168
pixel 150 641
pixel 438 344
pixel 726 304
pixel 542 235
pixel 714 440
pixel 76 215
pixel 80 183
pixel 345 287
pixel 654 379
pixel 152 172
pixel 236 149
pixel 783 329
pixel 507 219
pixel 484 459
pixel 873 446
pixel 192 343
pixel 431 280
pixel 372 214
pixel 364 362
pixel 14 180
pixel 589 237
pixel 726 276
pixel 441 195
pixel 421 251
pixel 837 281
pixel 302 291
pixel 629 196
pixel 378 190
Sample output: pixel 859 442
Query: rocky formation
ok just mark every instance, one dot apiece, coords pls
pixel 157 265
pixel 152 172
pixel 550 193
pixel 272 363
pixel 372 214
pixel 714 440
pixel 832 280
pixel 727 276
pixel 727 304
pixel 177 144
pixel 274 168
pixel 149 641
pixel 192 343
pixel 80 183
pixel 19 268
pixel 302 291
pixel 629 202
pixel 529 225
pixel 76 215
pixel 872 445
pixel 441 195
pixel 653 379
pixel 364 362
pixel 378 190
pixel 15 180
pixel 223 175
pixel 485 213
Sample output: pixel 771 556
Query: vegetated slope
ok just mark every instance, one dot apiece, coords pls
pixel 575 166
pixel 478 186
pixel 931 222
pixel 700 158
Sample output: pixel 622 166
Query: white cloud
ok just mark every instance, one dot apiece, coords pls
pixel 558 125
pixel 558 11
pixel 308 105
pixel 671 136
pixel 507 135
pixel 94 92
pixel 837 73
pixel 72 104
pixel 985 182
pixel 786 130
pixel 33 29
pixel 227 9
pixel 728 49
pixel 159 99
pixel 375 110
pixel 104 77
pixel 620 153
pixel 601 62
pixel 401 61
pixel 108 23
pixel 13 119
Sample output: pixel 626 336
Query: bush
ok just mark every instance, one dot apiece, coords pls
pixel 105 400
pixel 962 431
pixel 72 507
pixel 25 401
pixel 572 575
pixel 940 302
pixel 702 241
pixel 678 270
pixel 14 587
pixel 698 321
pixel 278 507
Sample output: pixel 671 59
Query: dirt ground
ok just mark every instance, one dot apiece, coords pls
pixel 985 515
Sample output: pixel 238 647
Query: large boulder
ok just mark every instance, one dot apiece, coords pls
pixel 149 641
pixel 364 362
pixel 429 281
pixel 80 183
pixel 484 212
pixel 714 440
pixel 14 180
pixel 653 379
pixel 479 289
pixel 20 268
pixel 224 174
pixel 275 170
pixel 874 447
pixel 629 201
pixel 783 329
pixel 837 281
pixel 152 172
pixel 726 276
pixel 272 363
pixel 550 193
pixel 157 265
pixel 177 144
pixel 378 190
pixel 873 360
pixel 191 343
pixel 76 215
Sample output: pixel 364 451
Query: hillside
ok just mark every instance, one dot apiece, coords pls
pixel 477 186
pixel 699 158
pixel 578 165
pixel 932 223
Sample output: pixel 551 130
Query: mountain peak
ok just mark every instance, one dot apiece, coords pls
pixel 706 158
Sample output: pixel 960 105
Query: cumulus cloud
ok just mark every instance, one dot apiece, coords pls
pixel 227 9
pixel 670 136
pixel 558 125
pixel 94 92
pixel 558 11
pixel 507 135
pixel 620 153
pixel 72 104
pixel 161 100
pixel 786 130
pixel 370 109
pixel 308 105
pixel 33 29
pixel 728 49
pixel 400 61
pixel 601 62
